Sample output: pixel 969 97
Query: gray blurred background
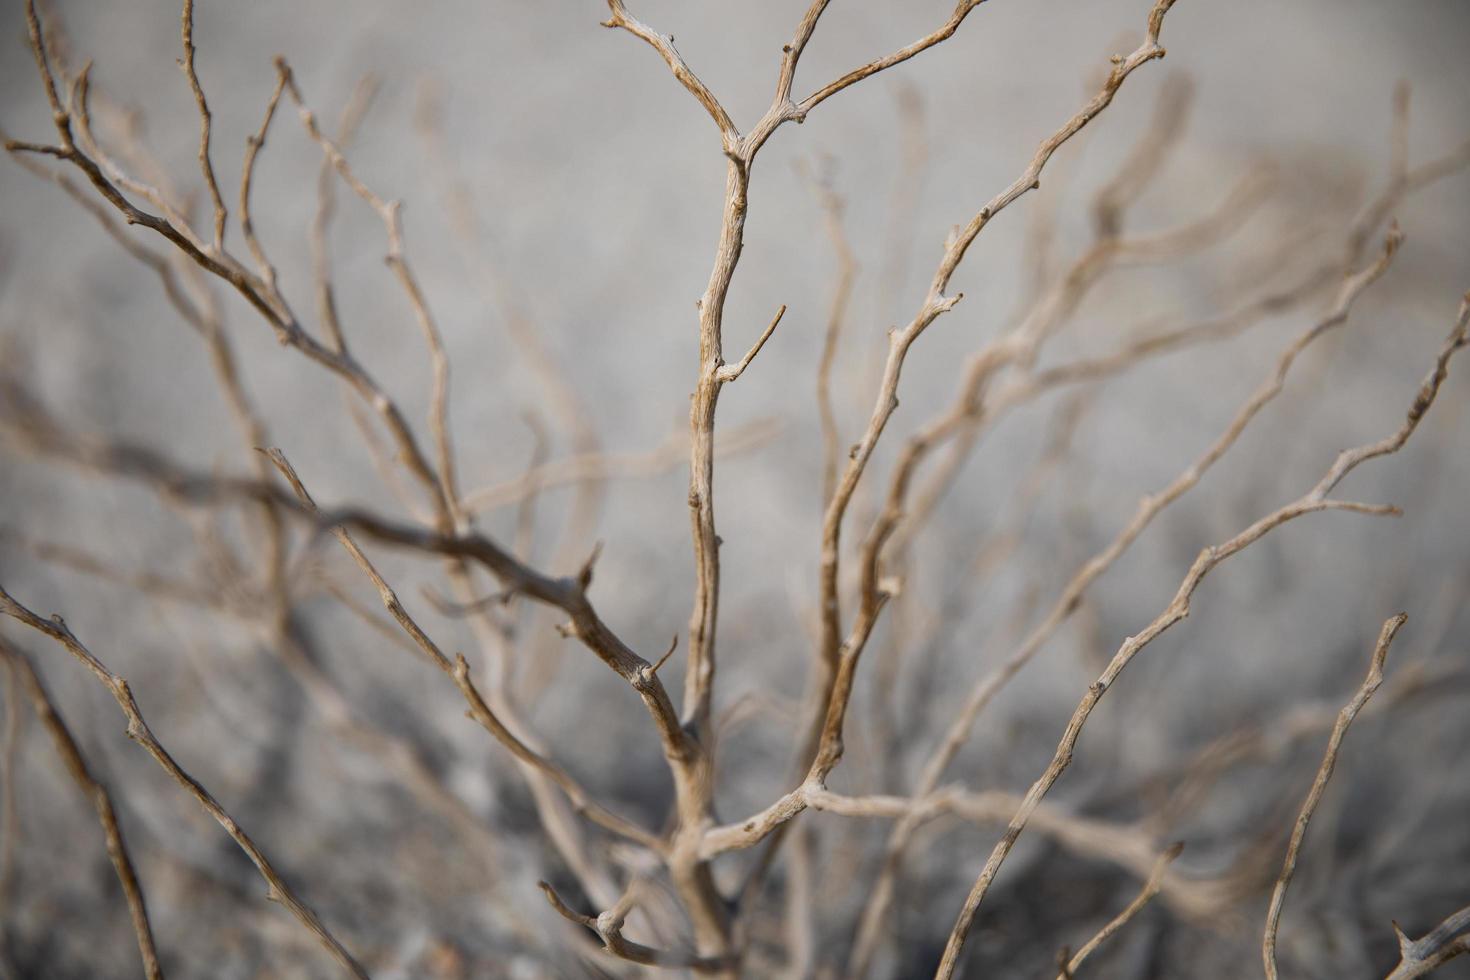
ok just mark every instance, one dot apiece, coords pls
pixel 595 186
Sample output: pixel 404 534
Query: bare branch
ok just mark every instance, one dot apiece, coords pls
pixel 253 577
pixel 1150 506
pixel 673 645
pixel 1349 712
pixel 839 662
pixel 1441 944
pixel 711 918
pixel 76 764
pixel 1313 501
pixel 138 731
pixel 326 209
pixel 253 146
pixel 730 372
pixel 148 583
pixel 260 294
pixel 1136 173
pixel 390 212
pixel 206 165
pixel 593 466
pixel 664 45
pixel 1150 889
pixel 34 430
pixel 943 33
pixel 609 928
pixel 990 684
pixel 459 671
pixel 832 207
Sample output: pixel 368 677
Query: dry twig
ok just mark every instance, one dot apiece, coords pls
pixel 1441 944
pixel 71 756
pixel 1313 501
pixel 424 476
pixel 1070 964
pixel 277 890
pixel 1349 712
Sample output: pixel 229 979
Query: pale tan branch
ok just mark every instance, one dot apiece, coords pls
pixel 609 929
pixel 1349 712
pixel 943 33
pixel 973 407
pixel 1036 383
pixel 1148 509
pixel 1151 887
pixel 1313 501
pixel 664 45
pixel 1162 342
pixel 378 624
pixel 691 876
pixel 969 410
pixel 170 227
pixel 1126 846
pixel 837 659
pixel 390 213
pixel 167 200
pixel 40 51
pixel 729 372
pixel 1030 179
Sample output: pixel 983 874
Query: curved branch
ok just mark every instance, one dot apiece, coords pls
pixel 96 792
pixel 946 31
pixel 138 731
pixel 1441 944
pixel 609 929
pixel 1150 888
pixel 664 45
pixel 1313 501
pixel 1345 717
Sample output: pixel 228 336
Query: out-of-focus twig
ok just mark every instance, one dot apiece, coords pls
pixel 1150 888
pixel 23 671
pixel 1313 501
pixel 138 731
